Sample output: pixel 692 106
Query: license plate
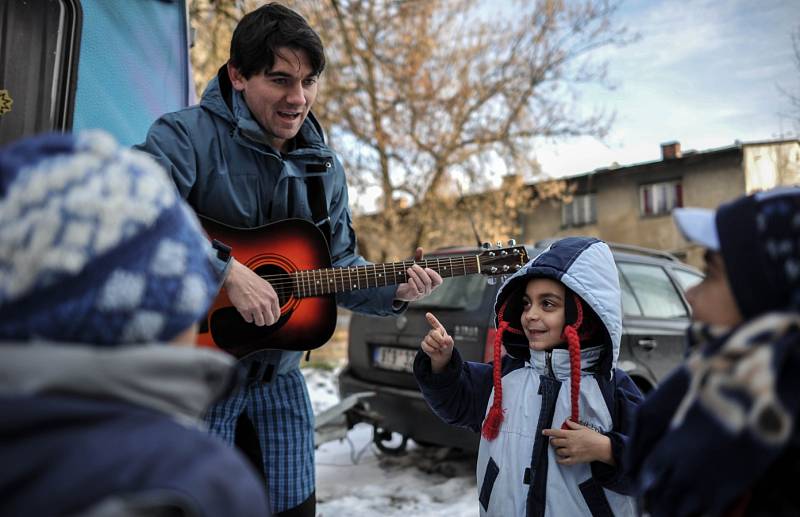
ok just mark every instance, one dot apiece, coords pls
pixel 397 359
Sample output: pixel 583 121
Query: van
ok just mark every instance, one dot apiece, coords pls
pixel 69 65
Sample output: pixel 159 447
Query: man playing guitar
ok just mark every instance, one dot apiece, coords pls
pixel 252 153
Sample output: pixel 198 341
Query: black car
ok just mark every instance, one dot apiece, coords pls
pixel 381 350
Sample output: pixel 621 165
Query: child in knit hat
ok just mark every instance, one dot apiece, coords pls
pixel 101 265
pixel 720 435
pixel 555 411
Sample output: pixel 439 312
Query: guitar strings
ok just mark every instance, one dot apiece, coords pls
pixel 290 279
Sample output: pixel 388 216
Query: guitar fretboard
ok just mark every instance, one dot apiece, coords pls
pixel 320 282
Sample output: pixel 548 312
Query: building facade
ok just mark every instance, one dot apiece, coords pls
pixel 632 204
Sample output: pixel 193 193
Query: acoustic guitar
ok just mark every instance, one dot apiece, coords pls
pixel 292 255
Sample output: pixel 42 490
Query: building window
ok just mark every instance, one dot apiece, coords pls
pixel 582 210
pixel 660 198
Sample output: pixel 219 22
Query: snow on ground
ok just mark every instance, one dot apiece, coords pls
pixel 355 479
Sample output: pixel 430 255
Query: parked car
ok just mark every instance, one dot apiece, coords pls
pixel 381 350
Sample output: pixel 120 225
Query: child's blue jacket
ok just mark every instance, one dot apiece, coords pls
pixel 517 471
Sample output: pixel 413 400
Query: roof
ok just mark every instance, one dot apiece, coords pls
pixel 687 157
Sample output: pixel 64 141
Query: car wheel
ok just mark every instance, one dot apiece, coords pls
pixel 385 442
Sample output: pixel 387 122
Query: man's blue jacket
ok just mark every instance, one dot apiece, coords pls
pixel 220 160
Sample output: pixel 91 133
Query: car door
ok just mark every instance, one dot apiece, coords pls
pixel 655 317
pixel 40 44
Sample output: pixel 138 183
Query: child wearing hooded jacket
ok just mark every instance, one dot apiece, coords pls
pixel 720 436
pixel 555 412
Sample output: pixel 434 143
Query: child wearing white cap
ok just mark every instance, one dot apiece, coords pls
pixel 720 435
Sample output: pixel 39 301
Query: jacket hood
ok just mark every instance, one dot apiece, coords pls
pixel 584 265
pixel 180 381
pixel 221 99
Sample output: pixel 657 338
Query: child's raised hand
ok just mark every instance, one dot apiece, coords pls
pixel 437 344
pixel 579 444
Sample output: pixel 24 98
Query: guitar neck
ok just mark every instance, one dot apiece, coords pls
pixel 320 282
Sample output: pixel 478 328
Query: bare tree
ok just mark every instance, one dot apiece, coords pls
pixel 794 96
pixel 421 94
pixel 213 22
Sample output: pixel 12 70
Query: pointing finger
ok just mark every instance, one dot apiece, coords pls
pixel 434 323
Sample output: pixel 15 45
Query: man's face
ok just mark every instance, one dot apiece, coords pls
pixel 712 300
pixel 280 98
pixel 543 314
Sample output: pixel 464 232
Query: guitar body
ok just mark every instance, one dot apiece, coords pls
pixel 273 250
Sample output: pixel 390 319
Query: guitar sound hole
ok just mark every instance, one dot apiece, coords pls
pixel 280 281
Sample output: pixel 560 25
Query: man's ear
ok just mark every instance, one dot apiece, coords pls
pixel 237 79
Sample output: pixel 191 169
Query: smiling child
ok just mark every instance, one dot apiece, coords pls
pixel 554 413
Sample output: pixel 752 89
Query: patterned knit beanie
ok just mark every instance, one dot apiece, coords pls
pixel 95 245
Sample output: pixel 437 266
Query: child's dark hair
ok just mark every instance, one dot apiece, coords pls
pixel 261 33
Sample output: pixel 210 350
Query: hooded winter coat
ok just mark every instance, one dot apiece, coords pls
pixel 222 164
pixel 116 431
pixel 517 471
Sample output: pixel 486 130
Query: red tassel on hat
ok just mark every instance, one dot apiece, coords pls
pixel 570 335
pixel 493 421
pixel 491 426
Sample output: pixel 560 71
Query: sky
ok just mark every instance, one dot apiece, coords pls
pixel 704 73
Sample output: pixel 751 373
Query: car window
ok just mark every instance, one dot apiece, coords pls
pixel 687 279
pixel 653 290
pixel 462 292
pixel 630 307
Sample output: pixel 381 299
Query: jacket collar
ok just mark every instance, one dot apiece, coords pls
pixel 180 381
pixel 557 361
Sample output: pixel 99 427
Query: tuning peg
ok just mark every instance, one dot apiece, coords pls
pixel 491 280
pixel 499 244
pixel 512 242
pixel 486 245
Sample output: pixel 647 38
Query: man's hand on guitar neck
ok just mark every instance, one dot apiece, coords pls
pixel 421 282
pixel 253 297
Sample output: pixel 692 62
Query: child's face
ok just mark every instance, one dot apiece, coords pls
pixel 712 300
pixel 543 313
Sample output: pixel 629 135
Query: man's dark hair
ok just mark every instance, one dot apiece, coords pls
pixel 260 34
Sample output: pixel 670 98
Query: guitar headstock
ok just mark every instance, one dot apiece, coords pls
pixel 502 260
